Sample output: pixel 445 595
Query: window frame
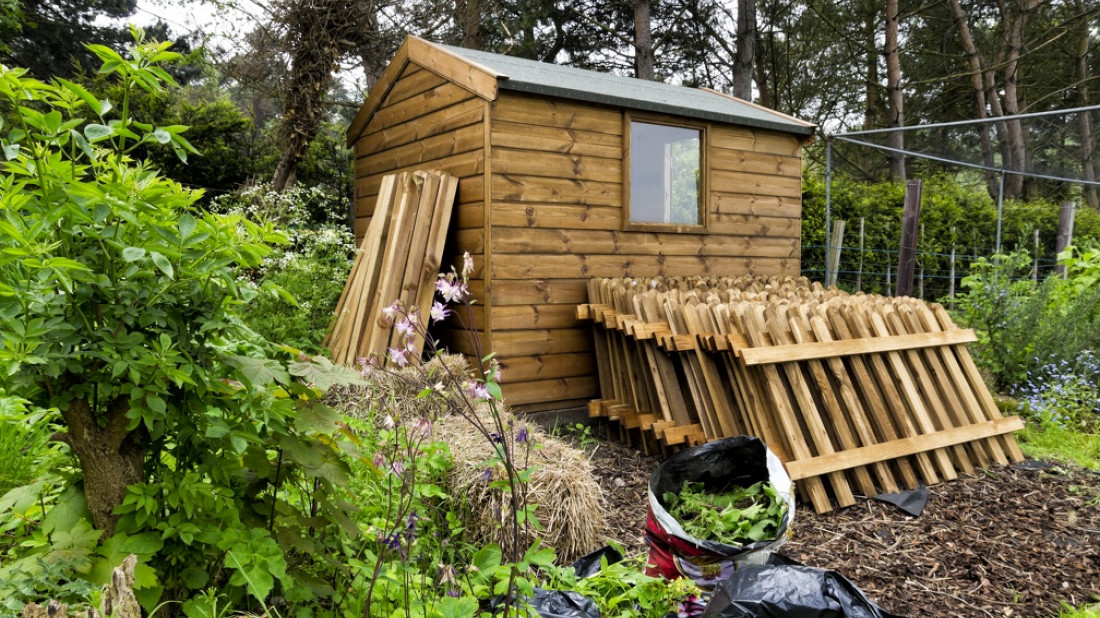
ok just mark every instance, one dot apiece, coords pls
pixel 629 225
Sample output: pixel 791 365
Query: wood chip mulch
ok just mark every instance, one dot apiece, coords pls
pixel 1009 541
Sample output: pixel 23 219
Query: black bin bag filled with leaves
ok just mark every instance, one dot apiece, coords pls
pixel 790 591
pixel 715 507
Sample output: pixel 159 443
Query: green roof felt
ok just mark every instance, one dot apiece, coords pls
pixel 565 82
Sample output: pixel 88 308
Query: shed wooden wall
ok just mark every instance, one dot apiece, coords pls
pixel 426 122
pixel 556 220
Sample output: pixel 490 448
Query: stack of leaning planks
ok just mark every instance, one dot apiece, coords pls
pixel 398 259
pixel 856 393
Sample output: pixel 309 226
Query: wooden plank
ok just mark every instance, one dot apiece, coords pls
pixel 414 80
pixel 914 407
pixel 663 369
pixel 600 242
pixel 537 189
pixel 467 167
pixel 754 162
pixel 433 254
pixel 552 139
pixel 556 165
pixel 546 366
pixel 844 460
pixel 723 181
pixel 542 341
pixel 878 388
pixel 755 140
pixel 523 317
pixel 410 274
pixel 376 333
pixel 848 347
pixel 419 105
pixel 556 216
pixel 462 139
pixel 735 201
pixel 927 386
pixel 539 291
pixel 582 266
pixel 804 404
pixel 557 113
pixel 378 138
pixel 753 225
pixel 974 377
pixel 474 77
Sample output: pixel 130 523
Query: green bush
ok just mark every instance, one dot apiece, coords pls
pixel 312 267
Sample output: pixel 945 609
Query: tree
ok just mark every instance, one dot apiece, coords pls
pixel 896 97
pixel 744 61
pixel 51 35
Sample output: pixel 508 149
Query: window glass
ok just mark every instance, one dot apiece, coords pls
pixel 664 174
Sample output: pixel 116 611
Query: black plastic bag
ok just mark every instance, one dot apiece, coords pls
pixel 788 591
pixel 563 604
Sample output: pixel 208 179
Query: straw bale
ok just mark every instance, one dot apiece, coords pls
pixel 397 391
pixel 570 506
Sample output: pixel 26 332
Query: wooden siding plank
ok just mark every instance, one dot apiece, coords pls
pixel 520 317
pixel 539 291
pixel 418 105
pixel 579 266
pixel 517 188
pixel 738 202
pixel 546 366
pixel 426 150
pixel 722 181
pixel 556 216
pixel 754 162
pixel 467 112
pixel 553 139
pixel 557 165
pixel 557 113
pixel 753 225
pixel 755 140
pixel 542 341
pixel 464 166
pixel 643 244
pixel 561 389
pixel 414 80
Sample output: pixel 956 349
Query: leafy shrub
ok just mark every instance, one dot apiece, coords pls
pixel 312 268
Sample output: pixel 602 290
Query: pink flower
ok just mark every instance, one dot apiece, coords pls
pixel 439 312
pixel 398 356
pixel 388 422
pixel 424 428
pixel 451 291
pixel 379 459
pixel 477 390
pixel 392 311
pixel 406 327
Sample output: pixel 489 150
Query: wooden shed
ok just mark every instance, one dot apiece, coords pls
pixel 567 174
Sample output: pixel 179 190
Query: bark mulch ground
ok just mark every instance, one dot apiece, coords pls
pixel 1009 541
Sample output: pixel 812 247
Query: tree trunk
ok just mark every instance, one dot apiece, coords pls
pixel 468 17
pixel 1084 121
pixel 643 42
pixel 762 72
pixel 893 85
pixel 974 63
pixel 1014 35
pixel 111 457
pixel 746 49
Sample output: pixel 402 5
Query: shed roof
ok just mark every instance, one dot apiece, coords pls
pixel 485 73
pixel 523 75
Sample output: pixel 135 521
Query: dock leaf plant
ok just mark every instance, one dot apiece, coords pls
pixel 737 516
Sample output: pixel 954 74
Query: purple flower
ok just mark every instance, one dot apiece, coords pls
pixel 439 312
pixel 393 541
pixel 379 459
pixel 487 475
pixel 388 422
pixel 399 356
pixel 397 468
pixel 477 390
pixel 424 428
pixel 406 326
pixel 451 291
pixel 392 311
pixel 410 523
pixel 522 435
pixel 452 593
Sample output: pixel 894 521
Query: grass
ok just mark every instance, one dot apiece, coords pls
pixel 1083 611
pixel 1060 444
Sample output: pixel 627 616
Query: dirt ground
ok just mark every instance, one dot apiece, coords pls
pixel 1010 541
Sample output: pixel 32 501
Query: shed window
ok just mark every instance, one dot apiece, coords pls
pixel 665 174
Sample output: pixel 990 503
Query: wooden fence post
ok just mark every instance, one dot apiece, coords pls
pixel 910 221
pixel 859 271
pixel 833 259
pixel 1065 232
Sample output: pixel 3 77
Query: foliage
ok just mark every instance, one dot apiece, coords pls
pixel 1069 444
pixel 623 590
pixel 955 215
pixel 117 321
pixel 734 516
pixel 312 268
